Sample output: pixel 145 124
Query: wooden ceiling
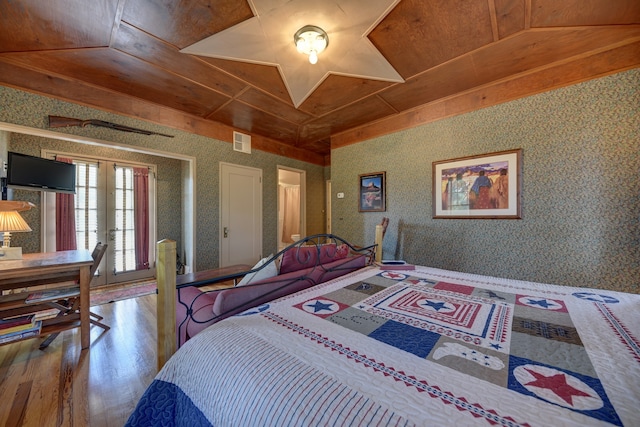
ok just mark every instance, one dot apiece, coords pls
pixel 455 56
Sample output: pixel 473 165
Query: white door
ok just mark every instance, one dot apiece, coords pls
pixel 240 215
pixel 104 213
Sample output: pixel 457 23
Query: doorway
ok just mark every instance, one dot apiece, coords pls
pixel 105 212
pixel 291 205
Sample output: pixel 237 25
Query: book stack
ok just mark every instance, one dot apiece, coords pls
pixel 395 265
pixel 17 328
pixel 52 294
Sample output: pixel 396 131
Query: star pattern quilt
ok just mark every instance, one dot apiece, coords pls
pixel 414 347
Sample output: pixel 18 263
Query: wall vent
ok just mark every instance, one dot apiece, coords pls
pixel 242 142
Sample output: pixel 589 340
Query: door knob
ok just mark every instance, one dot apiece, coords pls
pixel 226 232
pixel 112 234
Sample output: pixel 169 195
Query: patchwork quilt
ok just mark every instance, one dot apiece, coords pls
pixel 425 347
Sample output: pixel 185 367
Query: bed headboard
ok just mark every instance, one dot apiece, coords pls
pixel 166 282
pixel 381 229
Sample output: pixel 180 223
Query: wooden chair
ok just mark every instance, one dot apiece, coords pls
pixel 71 305
pixel 97 254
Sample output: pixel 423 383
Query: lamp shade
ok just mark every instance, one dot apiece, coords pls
pixel 11 222
pixel 15 205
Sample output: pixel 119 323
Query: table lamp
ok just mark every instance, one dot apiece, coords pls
pixel 12 222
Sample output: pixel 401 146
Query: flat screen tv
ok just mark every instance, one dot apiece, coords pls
pixel 36 173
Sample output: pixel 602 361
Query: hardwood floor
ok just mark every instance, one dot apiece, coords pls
pixel 64 386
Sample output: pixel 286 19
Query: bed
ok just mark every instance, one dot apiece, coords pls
pixel 410 347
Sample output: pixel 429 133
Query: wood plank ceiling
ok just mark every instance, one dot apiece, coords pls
pixel 454 55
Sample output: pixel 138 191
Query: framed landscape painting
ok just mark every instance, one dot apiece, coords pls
pixel 372 192
pixel 483 186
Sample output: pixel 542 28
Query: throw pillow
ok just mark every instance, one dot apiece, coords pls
pixel 270 270
pixel 342 251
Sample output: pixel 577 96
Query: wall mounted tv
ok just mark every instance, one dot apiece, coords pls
pixel 37 173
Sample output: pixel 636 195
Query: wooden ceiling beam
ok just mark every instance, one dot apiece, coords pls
pixel 542 80
pixel 81 93
pixel 129 52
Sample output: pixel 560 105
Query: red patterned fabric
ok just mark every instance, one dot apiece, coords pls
pixel 65 218
pixel 342 251
pixel 141 213
pixel 301 257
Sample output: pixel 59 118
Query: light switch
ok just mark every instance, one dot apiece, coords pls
pixel 340 195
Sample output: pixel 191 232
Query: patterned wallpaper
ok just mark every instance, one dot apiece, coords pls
pixel 31 110
pixel 581 186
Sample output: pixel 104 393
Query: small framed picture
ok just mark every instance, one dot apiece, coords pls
pixel 484 186
pixel 372 192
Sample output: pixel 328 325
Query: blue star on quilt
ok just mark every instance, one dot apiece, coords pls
pixel 540 302
pixel 319 306
pixel 589 296
pixel 436 305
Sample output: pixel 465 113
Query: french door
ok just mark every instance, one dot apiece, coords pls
pixel 104 212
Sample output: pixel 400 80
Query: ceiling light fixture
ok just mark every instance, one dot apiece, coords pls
pixel 311 40
pixel 265 39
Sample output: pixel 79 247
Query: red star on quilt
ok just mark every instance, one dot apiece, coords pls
pixel 556 383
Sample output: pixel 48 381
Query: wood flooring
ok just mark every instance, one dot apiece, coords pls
pixel 98 387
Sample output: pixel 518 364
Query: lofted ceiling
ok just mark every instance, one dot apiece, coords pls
pixel 454 56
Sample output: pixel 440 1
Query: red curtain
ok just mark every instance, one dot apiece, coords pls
pixel 65 218
pixel 141 213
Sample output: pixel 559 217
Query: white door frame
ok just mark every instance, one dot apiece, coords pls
pixel 188 184
pixel 327 193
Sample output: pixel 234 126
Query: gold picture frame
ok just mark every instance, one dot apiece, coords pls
pixel 486 186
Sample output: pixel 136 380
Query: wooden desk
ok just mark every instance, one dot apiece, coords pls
pixel 51 268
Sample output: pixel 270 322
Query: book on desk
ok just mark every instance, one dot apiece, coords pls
pixel 395 264
pixel 52 294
